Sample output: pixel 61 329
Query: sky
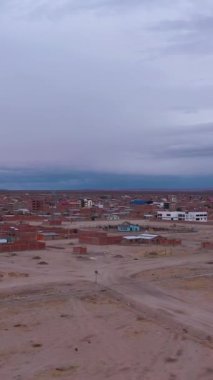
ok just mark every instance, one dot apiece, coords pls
pixel 116 87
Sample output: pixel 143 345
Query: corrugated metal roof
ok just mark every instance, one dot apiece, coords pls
pixel 141 237
pixel 148 236
pixel 132 237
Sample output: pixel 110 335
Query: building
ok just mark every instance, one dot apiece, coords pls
pixel 113 217
pixel 147 238
pixel 140 202
pixel 37 204
pixel 87 203
pixel 128 227
pixel 80 250
pixel 98 238
pixel 190 216
pixel 143 238
pixel 20 237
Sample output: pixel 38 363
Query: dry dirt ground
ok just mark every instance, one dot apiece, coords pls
pixel 146 318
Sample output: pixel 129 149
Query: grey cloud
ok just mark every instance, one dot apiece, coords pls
pixel 185 109
pixel 184 99
pixel 185 145
pixel 80 95
pixel 203 128
pixel 191 141
pixel 192 25
pixel 191 131
pixel 187 152
pixel 194 44
pixel 55 8
pixel 189 36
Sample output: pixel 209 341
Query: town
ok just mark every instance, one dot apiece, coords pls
pixel 29 219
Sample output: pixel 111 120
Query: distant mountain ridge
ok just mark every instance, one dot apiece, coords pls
pixel 64 179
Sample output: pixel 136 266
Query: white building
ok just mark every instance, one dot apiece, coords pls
pixel 191 216
pixel 113 217
pixel 87 203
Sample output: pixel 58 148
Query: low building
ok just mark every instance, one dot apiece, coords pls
pixel 48 236
pixel 112 217
pixel 98 238
pixel 151 239
pixel 143 238
pixel 140 202
pixel 189 216
pixel 207 245
pixel 80 250
pixel 22 246
pixel 128 227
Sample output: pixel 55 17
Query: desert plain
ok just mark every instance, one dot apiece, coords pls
pixel 133 312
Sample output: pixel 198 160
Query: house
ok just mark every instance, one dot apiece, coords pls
pixel 150 239
pixel 112 217
pixel 128 227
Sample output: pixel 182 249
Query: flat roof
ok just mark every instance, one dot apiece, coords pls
pixel 141 237
pixel 132 237
pixel 49 233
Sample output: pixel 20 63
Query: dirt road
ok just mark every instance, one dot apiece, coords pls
pixel 140 321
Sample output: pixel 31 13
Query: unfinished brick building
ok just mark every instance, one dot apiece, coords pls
pixel 80 250
pixel 207 245
pixel 98 238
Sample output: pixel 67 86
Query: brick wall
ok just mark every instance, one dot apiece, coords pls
pixel 91 233
pixel 22 246
pixel 164 241
pixel 55 222
pixel 98 238
pixel 207 245
pixel 80 250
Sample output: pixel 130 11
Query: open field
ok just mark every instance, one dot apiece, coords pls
pixel 146 318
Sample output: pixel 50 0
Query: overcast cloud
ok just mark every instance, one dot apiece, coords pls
pixel 114 86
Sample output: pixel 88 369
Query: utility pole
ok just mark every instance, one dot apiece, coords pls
pixel 96 276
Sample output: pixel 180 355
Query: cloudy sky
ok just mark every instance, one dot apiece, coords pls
pixel 107 86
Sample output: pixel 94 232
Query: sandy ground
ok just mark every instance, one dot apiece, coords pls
pixel 145 318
